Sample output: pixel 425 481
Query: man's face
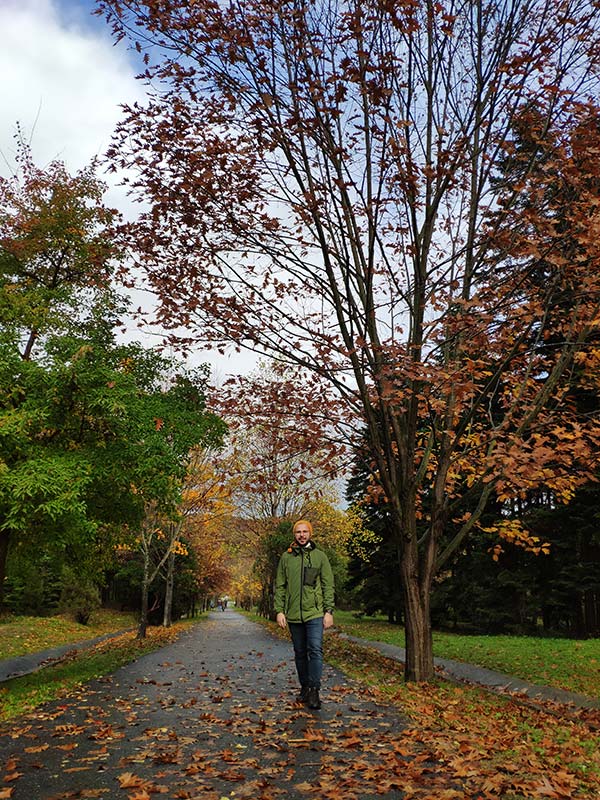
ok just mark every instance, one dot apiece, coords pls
pixel 302 534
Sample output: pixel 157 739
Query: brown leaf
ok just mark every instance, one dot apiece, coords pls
pixel 69 730
pixel 127 780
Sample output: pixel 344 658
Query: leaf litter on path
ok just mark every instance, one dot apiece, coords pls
pixel 217 719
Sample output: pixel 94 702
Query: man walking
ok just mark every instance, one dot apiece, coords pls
pixel 304 595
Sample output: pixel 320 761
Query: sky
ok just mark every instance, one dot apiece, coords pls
pixel 63 81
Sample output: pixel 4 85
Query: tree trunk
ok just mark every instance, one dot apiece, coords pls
pixel 143 626
pixel 26 356
pixel 418 666
pixel 416 586
pixel 4 541
pixel 168 610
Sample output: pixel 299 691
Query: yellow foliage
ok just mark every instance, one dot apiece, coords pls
pixel 513 531
pixel 179 548
pixel 333 526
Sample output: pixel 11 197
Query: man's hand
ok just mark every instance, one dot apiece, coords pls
pixel 281 620
pixel 327 620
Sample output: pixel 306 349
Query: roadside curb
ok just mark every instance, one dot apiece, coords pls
pixel 496 681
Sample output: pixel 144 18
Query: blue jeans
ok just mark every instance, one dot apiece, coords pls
pixel 307 638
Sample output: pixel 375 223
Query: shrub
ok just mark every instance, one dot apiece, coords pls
pixel 79 597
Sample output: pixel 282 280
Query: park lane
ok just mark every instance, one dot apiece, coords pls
pixel 210 716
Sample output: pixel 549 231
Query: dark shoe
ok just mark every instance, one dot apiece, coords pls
pixel 313 700
pixel 302 696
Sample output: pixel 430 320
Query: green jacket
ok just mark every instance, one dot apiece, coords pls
pixel 304 583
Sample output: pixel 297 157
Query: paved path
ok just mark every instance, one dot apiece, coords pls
pixel 453 670
pixel 32 662
pixel 208 717
pixel 469 673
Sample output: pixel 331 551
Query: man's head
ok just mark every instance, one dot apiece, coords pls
pixel 302 531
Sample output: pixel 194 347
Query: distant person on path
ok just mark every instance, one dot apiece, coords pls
pixel 304 595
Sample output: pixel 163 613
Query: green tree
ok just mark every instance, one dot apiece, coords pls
pixel 93 433
pixel 165 424
pixel 56 259
pixel 373 557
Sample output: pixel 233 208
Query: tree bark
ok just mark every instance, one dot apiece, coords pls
pixel 4 542
pixel 418 666
pixel 143 626
pixel 26 355
pixel 170 581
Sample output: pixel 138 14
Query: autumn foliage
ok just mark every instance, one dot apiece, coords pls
pixel 363 193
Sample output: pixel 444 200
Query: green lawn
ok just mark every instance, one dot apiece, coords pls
pixel 21 695
pixel 562 663
pixel 21 635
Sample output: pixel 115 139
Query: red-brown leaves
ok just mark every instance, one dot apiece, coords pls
pixel 345 188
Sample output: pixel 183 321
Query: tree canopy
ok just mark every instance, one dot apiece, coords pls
pixel 92 430
pixel 328 183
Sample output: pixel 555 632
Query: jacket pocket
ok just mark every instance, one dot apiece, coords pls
pixel 310 576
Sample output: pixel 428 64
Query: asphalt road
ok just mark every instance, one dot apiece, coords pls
pixel 211 716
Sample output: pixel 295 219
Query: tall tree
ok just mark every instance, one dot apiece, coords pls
pixel 204 510
pixel 56 258
pixel 319 180
pixel 92 432
pixel 56 247
pixel 166 423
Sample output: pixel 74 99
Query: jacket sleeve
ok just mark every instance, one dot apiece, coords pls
pixel 327 584
pixel 280 587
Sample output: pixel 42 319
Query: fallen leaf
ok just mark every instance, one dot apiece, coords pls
pixel 127 780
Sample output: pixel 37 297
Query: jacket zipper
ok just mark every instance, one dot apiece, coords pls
pixel 301 584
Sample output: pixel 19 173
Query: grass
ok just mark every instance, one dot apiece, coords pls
pixel 20 635
pixel 27 634
pixel 562 663
pixel 494 745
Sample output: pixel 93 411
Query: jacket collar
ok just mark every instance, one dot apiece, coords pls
pixel 297 549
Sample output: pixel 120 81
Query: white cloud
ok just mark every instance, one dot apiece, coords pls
pixel 62 81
